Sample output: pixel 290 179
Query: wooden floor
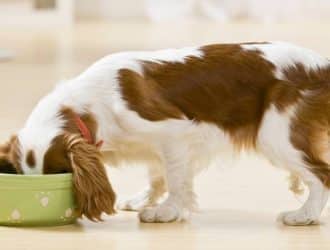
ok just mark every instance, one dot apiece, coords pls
pixel 238 204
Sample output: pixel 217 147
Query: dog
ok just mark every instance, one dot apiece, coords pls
pixel 177 111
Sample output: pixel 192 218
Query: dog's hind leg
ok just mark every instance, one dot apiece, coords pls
pixel 310 136
pixel 310 212
pixel 315 173
pixel 300 145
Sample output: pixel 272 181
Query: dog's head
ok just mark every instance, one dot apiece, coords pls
pixel 66 152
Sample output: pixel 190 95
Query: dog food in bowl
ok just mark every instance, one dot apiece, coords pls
pixel 36 200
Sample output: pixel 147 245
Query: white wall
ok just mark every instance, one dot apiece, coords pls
pixel 219 10
pixel 22 13
pixel 111 9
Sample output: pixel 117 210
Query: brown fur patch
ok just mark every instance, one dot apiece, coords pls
pixel 30 159
pixel 147 96
pixel 56 159
pixel 221 88
pixel 10 156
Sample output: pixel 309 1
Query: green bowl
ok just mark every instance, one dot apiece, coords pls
pixel 36 200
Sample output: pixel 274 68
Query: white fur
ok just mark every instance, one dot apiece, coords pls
pixel 176 150
pixel 274 138
pixel 283 55
pixel 41 127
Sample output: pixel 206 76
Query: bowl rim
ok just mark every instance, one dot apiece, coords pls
pixel 51 181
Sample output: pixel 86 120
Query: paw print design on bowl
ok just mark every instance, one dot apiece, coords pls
pixel 15 216
pixel 68 214
pixel 44 198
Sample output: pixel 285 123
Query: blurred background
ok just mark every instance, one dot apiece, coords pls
pixel 69 11
pixel 45 41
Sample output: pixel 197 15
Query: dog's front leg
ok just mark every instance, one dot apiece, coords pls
pixel 180 198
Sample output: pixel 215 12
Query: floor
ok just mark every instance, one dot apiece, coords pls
pixel 238 204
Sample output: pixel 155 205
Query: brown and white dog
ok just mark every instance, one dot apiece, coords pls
pixel 177 111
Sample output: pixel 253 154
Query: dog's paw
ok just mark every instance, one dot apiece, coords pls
pixel 300 217
pixel 165 212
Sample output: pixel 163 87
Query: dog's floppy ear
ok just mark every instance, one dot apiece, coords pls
pixel 6 166
pixel 9 157
pixel 93 191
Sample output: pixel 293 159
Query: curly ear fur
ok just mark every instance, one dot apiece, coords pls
pixel 9 157
pixel 93 191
